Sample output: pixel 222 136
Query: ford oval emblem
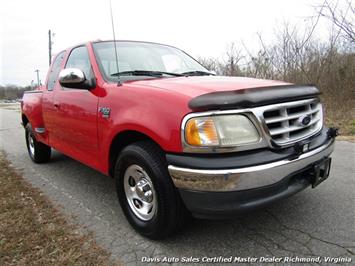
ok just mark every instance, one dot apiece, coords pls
pixel 304 120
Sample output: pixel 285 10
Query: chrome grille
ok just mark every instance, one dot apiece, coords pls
pixel 293 121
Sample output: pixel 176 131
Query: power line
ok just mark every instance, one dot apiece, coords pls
pixel 37 77
pixel 50 46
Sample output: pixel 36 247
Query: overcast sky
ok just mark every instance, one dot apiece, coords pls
pixel 199 27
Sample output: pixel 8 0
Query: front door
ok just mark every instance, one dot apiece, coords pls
pixel 75 122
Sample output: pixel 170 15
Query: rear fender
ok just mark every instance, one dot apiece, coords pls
pixel 31 108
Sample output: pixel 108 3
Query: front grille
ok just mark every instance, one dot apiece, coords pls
pixel 293 121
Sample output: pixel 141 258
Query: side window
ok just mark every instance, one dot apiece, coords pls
pixel 79 58
pixel 53 75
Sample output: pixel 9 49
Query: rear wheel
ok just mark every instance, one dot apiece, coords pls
pixel 38 152
pixel 148 198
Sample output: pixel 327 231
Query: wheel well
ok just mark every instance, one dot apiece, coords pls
pixel 24 120
pixel 122 140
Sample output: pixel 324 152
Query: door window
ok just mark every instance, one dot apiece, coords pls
pixel 79 58
pixel 53 75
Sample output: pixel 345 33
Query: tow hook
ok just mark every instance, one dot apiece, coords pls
pixel 332 132
pixel 299 148
pixel 303 146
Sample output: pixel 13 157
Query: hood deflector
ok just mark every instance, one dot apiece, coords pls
pixel 253 97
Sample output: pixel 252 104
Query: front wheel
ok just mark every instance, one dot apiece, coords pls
pixel 148 198
pixel 38 152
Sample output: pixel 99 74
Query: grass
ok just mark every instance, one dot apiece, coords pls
pixel 340 113
pixel 10 106
pixel 34 232
pixel 346 138
pixel 352 127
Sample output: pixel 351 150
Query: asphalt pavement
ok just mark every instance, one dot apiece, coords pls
pixel 316 222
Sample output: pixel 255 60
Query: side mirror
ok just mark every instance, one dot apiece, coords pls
pixel 73 78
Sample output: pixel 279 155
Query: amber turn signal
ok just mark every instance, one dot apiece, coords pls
pixel 201 131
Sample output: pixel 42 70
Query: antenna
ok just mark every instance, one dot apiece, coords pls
pixel 114 45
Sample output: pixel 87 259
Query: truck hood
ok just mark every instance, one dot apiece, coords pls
pixel 211 92
pixel 194 86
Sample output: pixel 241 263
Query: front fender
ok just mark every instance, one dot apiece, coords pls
pixel 155 113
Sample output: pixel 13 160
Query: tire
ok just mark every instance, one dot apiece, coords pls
pixel 38 151
pixel 155 209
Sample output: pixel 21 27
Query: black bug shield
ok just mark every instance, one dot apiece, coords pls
pixel 253 97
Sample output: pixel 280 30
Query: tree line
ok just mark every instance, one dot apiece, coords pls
pixel 12 92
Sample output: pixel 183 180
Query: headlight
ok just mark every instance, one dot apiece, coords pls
pixel 220 131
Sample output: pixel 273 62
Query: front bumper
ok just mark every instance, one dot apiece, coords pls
pixel 207 192
pixel 246 177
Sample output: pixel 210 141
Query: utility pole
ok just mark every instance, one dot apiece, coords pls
pixel 37 77
pixel 50 46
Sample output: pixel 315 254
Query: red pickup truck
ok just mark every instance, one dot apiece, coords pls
pixel 178 139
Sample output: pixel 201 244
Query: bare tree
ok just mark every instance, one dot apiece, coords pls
pixel 211 64
pixel 233 56
pixel 342 15
pixel 297 55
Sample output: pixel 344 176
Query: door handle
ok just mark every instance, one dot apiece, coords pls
pixel 56 105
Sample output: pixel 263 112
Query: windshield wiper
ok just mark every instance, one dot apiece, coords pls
pixel 197 73
pixel 146 73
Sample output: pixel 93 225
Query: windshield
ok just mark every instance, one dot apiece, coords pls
pixel 140 58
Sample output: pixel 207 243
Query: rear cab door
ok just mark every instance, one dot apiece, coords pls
pixel 48 110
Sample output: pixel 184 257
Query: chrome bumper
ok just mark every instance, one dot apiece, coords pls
pixel 247 177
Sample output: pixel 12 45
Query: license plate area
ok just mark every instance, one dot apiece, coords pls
pixel 320 172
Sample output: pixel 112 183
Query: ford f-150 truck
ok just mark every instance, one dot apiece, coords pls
pixel 178 139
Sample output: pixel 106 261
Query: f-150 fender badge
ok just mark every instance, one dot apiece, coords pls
pixel 105 111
